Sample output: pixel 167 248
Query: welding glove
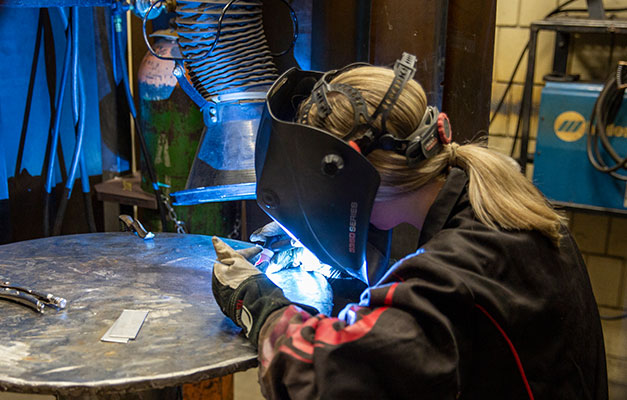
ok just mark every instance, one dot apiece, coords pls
pixel 278 247
pixel 281 252
pixel 244 294
pixel 272 236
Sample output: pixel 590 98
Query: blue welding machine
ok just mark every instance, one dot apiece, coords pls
pixel 562 170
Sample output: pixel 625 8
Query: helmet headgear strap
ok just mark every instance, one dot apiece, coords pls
pixel 319 97
pixel 423 143
pixel 404 70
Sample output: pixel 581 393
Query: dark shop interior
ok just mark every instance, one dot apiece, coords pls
pixel 313 199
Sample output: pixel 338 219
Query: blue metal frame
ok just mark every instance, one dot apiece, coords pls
pixel 210 194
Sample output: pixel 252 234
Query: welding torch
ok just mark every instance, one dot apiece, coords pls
pixel 274 240
pixel 30 298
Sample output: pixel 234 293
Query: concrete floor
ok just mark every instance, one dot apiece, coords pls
pixel 615 334
pixel 246 385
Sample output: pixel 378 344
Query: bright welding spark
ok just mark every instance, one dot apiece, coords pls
pixel 302 258
pixel 303 285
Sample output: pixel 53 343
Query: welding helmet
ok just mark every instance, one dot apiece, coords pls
pixel 319 187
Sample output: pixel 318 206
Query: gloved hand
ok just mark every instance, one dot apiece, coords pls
pixel 244 294
pixel 278 247
pixel 271 236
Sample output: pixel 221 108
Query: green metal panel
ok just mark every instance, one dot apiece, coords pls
pixel 172 125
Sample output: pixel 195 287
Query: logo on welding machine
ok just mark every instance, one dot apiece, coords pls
pixel 569 126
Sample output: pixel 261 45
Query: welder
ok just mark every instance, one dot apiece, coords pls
pixel 495 303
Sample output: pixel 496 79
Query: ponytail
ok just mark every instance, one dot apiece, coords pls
pixel 500 195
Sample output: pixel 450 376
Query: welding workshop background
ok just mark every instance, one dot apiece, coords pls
pixel 72 157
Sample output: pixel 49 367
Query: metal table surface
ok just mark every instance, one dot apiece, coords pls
pixel 185 337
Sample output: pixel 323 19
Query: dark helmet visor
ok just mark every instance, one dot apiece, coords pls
pixel 313 183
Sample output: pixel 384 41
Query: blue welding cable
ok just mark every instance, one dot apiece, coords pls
pixel 63 15
pixel 55 125
pixel 75 65
pixel 89 210
pixel 113 48
pixel 80 134
pixel 80 129
pixel 78 112
pixel 131 105
pixel 79 118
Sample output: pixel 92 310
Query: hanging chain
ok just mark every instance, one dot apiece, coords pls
pixel 180 225
pixel 235 233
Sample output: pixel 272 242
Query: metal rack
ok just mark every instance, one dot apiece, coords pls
pixel 563 27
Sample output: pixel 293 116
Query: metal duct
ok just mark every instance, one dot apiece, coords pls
pixel 231 76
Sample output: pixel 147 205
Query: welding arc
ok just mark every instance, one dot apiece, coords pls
pixel 603 113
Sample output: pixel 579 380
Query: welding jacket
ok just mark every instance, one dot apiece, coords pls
pixel 475 313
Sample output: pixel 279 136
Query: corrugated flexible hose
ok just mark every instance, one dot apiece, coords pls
pixel 241 59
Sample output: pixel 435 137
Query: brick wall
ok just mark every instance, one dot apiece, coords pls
pixel 601 237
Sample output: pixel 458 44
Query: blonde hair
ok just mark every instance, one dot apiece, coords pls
pixel 500 195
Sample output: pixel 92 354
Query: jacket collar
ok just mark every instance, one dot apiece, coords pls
pixel 443 205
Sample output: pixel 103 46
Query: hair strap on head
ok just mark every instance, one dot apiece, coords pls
pixel 404 70
pixel 452 155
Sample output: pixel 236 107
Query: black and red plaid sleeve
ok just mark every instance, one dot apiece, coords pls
pixel 373 352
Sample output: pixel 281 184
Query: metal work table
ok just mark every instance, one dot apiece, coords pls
pixel 184 339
